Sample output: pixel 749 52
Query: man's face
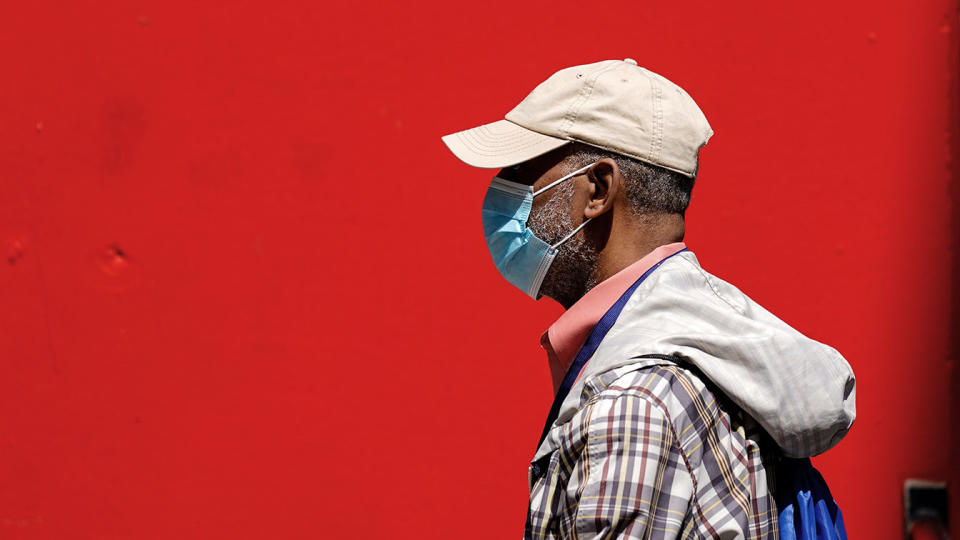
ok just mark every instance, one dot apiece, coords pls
pixel 553 215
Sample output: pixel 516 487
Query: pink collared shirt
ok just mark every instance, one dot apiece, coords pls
pixel 568 333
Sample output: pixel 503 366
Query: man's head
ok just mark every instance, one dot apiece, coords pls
pixel 630 203
pixel 637 136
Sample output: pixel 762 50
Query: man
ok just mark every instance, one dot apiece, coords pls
pixel 676 393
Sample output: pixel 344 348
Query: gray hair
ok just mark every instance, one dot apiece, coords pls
pixel 649 188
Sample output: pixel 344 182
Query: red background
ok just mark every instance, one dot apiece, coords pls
pixel 246 295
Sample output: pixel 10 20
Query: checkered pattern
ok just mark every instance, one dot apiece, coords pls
pixel 653 453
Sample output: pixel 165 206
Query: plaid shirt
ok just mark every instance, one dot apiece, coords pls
pixel 653 453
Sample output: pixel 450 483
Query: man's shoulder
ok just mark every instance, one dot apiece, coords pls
pixel 679 395
pixel 663 383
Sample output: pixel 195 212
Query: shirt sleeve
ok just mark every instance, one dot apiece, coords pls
pixel 635 475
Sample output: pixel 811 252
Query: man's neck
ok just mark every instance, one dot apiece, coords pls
pixel 623 250
pixel 626 244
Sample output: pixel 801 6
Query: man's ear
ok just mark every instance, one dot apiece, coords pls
pixel 605 182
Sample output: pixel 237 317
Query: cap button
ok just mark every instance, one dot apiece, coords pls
pixel 630 61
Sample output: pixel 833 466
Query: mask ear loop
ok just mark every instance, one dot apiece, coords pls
pixel 569 236
pixel 555 182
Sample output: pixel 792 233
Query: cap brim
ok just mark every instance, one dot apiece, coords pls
pixel 499 144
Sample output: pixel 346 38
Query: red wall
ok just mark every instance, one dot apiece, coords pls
pixel 246 295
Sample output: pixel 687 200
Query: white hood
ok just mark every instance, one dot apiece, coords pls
pixel 801 391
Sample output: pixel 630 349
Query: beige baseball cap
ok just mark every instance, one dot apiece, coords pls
pixel 615 105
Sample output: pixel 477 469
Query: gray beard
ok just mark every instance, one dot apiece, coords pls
pixel 571 274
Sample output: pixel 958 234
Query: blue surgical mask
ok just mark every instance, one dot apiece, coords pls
pixel 521 257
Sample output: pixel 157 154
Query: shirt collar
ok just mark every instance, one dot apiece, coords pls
pixel 569 332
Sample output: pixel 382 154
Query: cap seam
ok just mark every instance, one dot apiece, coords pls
pixel 499 142
pixel 574 111
pixel 492 151
pixel 656 139
pixel 562 137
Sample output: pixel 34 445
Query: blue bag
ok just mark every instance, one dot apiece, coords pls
pixel 807 510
